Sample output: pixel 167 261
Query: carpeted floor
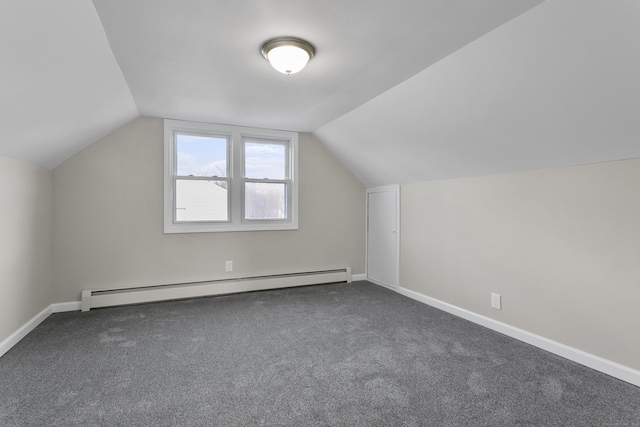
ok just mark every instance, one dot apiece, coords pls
pixel 348 355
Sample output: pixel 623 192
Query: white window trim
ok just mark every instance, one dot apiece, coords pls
pixel 236 135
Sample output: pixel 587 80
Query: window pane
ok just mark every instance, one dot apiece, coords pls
pixel 201 155
pixel 265 200
pixel 200 200
pixel 264 160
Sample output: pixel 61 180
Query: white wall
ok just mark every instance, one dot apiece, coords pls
pixel 25 243
pixel 108 221
pixel 562 247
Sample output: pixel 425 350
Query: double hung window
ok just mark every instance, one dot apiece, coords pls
pixel 227 178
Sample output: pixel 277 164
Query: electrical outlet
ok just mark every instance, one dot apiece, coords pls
pixel 228 266
pixel 496 301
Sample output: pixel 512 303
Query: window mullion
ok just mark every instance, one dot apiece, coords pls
pixel 236 178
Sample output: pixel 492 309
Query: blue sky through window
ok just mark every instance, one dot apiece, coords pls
pixel 201 155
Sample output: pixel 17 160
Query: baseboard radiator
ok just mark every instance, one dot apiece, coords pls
pixel 136 295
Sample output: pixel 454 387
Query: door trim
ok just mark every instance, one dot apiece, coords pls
pixel 396 190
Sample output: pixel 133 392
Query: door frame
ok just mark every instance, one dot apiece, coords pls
pixel 396 190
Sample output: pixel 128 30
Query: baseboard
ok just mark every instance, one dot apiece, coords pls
pixel 608 367
pixel 15 337
pixel 384 285
pixel 62 307
pixel 358 277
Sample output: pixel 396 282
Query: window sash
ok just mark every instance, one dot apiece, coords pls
pixel 287 199
pixel 287 154
pixel 286 180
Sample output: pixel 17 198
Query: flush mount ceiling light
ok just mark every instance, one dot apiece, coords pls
pixel 288 54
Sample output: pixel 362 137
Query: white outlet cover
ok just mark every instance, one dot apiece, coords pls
pixel 496 301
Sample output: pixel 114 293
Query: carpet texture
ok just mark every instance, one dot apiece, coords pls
pixel 340 354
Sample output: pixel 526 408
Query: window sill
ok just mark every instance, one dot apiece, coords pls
pixel 219 228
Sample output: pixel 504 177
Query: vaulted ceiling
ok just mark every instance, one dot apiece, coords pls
pixel 558 86
pixel 400 91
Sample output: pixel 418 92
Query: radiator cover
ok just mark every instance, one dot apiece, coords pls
pixel 94 298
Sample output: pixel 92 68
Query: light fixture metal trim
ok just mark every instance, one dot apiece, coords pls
pixel 278 42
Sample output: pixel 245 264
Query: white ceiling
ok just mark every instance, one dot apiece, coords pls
pixel 200 59
pixel 60 86
pixel 73 72
pixel 558 86
pixel 401 91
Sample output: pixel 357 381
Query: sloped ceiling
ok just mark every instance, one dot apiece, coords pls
pixel 200 59
pixel 402 91
pixel 73 71
pixel 557 86
pixel 60 86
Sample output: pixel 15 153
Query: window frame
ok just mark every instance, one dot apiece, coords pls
pixel 237 136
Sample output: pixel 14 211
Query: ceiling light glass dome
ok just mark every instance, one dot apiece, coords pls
pixel 288 55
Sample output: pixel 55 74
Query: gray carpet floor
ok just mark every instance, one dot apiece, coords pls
pixel 340 354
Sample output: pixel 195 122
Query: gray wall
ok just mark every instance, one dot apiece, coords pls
pixel 109 227
pixel 561 246
pixel 25 243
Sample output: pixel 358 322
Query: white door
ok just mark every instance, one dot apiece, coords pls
pixel 382 236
